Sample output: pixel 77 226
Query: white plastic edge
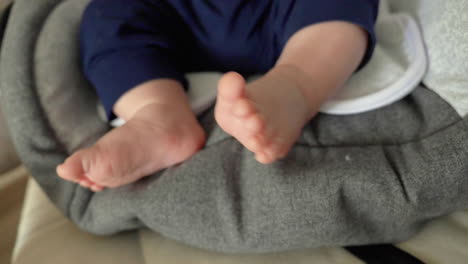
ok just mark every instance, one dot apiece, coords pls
pixel 405 85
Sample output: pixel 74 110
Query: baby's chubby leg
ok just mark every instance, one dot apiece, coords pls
pixel 267 115
pixel 161 131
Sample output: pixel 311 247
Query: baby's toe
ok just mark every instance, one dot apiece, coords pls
pixel 71 169
pixel 86 183
pixel 243 108
pixel 255 124
pixel 264 157
pixel 231 87
pixel 253 144
pixel 96 188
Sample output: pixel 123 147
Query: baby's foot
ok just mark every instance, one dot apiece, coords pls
pixel 266 116
pixel 158 136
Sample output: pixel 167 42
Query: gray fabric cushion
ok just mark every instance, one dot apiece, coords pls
pixel 368 178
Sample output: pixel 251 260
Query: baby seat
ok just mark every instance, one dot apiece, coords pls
pixel 373 177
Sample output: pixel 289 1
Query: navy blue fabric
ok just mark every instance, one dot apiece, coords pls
pixel 127 42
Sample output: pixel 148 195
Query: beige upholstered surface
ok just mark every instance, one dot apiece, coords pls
pixel 8 158
pixel 46 237
pixel 443 240
pixel 12 185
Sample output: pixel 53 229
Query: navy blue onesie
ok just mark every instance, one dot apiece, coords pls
pixel 127 42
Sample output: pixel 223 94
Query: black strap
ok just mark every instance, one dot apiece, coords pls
pixel 383 254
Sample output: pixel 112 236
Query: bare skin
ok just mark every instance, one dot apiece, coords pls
pixel 161 131
pixel 266 116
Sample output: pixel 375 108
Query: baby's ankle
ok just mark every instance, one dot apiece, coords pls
pixel 298 81
pixel 159 92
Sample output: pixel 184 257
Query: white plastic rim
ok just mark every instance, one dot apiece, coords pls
pixel 400 88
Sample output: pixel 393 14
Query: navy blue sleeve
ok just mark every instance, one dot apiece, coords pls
pixel 123 44
pixel 359 12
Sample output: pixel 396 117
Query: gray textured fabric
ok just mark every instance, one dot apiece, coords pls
pixel 369 178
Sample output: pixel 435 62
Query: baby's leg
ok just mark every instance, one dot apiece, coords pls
pixel 267 115
pixel 161 131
